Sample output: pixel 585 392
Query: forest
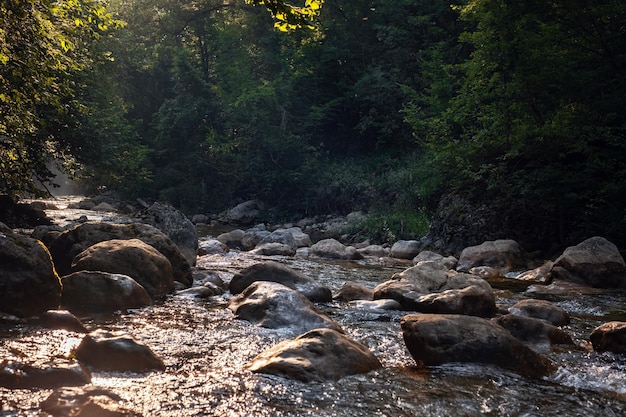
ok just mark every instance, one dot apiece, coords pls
pixel 330 107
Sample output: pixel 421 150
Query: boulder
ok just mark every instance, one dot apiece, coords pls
pixel 62 320
pixel 79 402
pixel 21 215
pixel 103 207
pixel 609 337
pixel 449 262
pixel 253 236
pixel 318 355
pixel 29 284
pixel 541 309
pixel 73 241
pixel 333 249
pixel 101 292
pixel 245 213
pixel 533 330
pixel 212 247
pixel 595 261
pixel 352 291
pixel 232 239
pixel 133 258
pixel 430 288
pixel 102 350
pixel 275 306
pixel 539 275
pixel 175 225
pixel 274 249
pixel 302 239
pixel 15 375
pixel 375 251
pixel 505 255
pixel 277 272
pixel 405 249
pixel 282 236
pixel 435 339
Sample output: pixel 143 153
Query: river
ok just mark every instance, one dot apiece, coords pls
pixel 206 350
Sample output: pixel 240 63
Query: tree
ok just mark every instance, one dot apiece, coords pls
pixel 43 44
pixel 537 125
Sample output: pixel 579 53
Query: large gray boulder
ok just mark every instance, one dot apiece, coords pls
pixel 595 261
pixel 101 292
pixel 275 306
pixel 232 238
pixel 435 339
pixel 73 241
pixel 175 225
pixel 429 287
pixel 245 213
pixel 449 262
pixel 405 249
pixel 333 249
pixel 29 284
pixel 504 254
pixel 318 355
pixel 277 272
pixel 133 258
pixel 253 236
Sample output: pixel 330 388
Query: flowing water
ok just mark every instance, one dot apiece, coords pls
pixel 206 351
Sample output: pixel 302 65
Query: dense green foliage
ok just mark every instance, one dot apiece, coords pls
pixel 383 106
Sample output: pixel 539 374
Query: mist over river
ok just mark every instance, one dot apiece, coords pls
pixel 206 350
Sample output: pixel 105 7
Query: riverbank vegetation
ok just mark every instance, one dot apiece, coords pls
pixel 383 107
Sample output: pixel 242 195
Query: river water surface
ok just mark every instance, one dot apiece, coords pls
pixel 206 350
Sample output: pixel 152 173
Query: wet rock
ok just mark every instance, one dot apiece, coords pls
pixel 245 213
pixel 541 309
pixel 539 275
pixel 61 320
pixel 175 225
pixel 212 247
pixel 333 249
pixel 434 339
pixel 104 351
pixel 274 248
pixel 375 251
pixel 133 258
pixel 449 262
pixel 596 262
pixel 232 239
pixel 504 254
pixel 100 292
pixel 277 272
pixel 281 236
pixel 533 330
pixel 73 241
pixel 275 306
pixel 21 215
pixel 352 291
pixel 609 337
pixel 206 276
pixel 405 249
pixel 200 219
pixel 486 272
pixel 47 234
pixel 29 284
pixel 23 376
pixel 430 288
pixel 85 402
pixel 253 236
pixel 318 355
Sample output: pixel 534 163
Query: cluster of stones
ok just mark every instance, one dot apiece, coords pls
pixel 453 316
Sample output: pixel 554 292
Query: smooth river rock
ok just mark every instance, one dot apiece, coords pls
pixel 434 339
pixel 609 337
pixel 318 355
pixel 275 306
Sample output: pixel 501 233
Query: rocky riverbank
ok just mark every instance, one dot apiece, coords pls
pixel 450 310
